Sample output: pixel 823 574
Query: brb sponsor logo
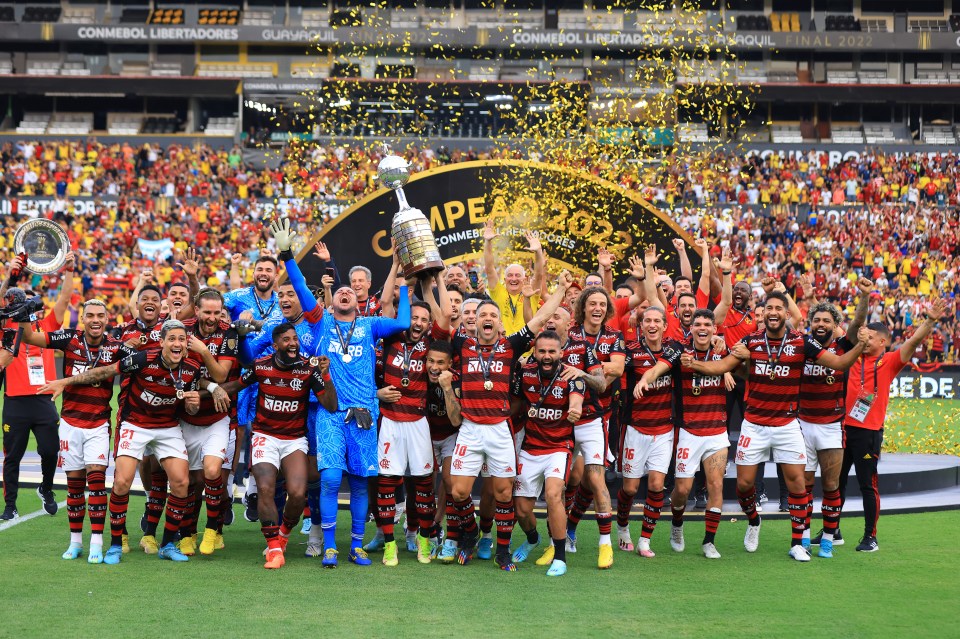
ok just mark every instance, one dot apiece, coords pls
pixel 281 405
pixel 155 400
pixel 549 414
pixel 474 366
pixel 765 369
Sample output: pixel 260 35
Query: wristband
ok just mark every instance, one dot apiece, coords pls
pixel 212 386
pixel 286 255
pixel 326 377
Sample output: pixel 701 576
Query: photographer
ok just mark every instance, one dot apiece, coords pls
pixel 24 373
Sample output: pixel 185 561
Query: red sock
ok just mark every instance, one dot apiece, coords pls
pixel 651 512
pixel 97 500
pixel 604 523
pixel 176 509
pixel 748 503
pixel 213 495
pixel 271 533
pixel 624 504
pixel 76 504
pixel 453 521
pixel 569 496
pixel 711 520
pixel 287 525
pixel 426 504
pixel 387 504
pixel 829 509
pixel 581 502
pixel 466 513
pixel 505 517
pixel 118 517
pixel 809 499
pixel 797 503
pixel 189 524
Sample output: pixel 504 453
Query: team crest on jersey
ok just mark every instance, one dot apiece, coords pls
pixel 789 350
pixel 296 384
pixel 573 359
pixel 212 347
pixel 604 348
pixel 105 355
pixel 557 392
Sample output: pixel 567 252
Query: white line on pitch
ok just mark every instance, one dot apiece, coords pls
pixel 33 515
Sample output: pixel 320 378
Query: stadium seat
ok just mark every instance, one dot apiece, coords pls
pixel 6 14
pixel 166 16
pixel 41 14
pixel 134 15
pixel 219 16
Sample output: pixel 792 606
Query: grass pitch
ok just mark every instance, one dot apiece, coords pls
pixel 908 588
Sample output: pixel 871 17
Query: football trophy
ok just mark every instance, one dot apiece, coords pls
pixel 416 246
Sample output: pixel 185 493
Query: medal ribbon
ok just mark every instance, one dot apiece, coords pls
pixel 485 363
pixel 407 356
pixel 256 300
pixel 345 343
pixel 766 343
pixel 545 391
pixel 696 377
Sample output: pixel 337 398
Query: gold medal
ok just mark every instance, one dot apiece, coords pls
pixel 314 361
pixel 488 385
pixel 405 382
pixel 96 385
pixel 696 390
pixel 772 375
pixel 532 413
pixel 143 339
pixel 179 394
pixel 830 379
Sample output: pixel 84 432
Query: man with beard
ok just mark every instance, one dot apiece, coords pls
pixel 703 435
pixel 678 322
pixel 553 404
pixel 346 441
pixel 508 294
pixel 777 358
pixel 821 414
pixel 84 422
pixel 258 345
pixel 592 310
pixel 867 397
pixel 285 379
pixel 404 445
pixel 486 364
pixel 257 302
pixel 582 363
pixel 158 383
pixel 213 346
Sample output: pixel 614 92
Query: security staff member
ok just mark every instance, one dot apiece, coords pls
pixel 23 409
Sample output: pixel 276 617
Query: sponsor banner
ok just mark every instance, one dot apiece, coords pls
pixel 575 214
pixel 34 206
pixel 913 384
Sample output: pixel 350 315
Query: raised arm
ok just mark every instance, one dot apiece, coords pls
pixel 489 263
pixel 145 276
pixel 552 304
pixel 605 267
pixel 323 254
pixel 235 280
pixel 191 267
pixel 639 273
pixel 451 401
pixel 439 303
pixel 796 316
pixel 66 288
pixel 386 326
pixel 30 337
pixel 934 312
pixel 386 299
pixel 845 361
pixel 704 248
pixel 725 265
pixel 685 269
pixel 650 276
pixel 539 263
pixel 91 376
pixel 863 305
pixel 283 236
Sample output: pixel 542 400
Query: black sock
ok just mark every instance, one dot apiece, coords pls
pixel 532 536
pixel 560 549
pixel 709 537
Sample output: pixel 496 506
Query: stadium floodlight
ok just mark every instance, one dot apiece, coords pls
pixel 498 98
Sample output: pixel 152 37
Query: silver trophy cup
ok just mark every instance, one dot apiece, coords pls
pixel 45 243
pixel 411 231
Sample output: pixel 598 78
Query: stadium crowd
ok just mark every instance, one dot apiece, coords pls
pixel 904 238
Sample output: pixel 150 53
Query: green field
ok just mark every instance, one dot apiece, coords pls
pixel 913 426
pixel 902 590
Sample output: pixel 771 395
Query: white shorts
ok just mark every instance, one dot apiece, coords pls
pixel 820 437
pixel 205 441
pixel 231 449
pixel 490 445
pixel 267 449
pixel 591 442
pixel 443 449
pixel 644 453
pixel 757 442
pixel 82 447
pixel 693 449
pixel 533 471
pixel 404 447
pixel 134 441
pixel 517 443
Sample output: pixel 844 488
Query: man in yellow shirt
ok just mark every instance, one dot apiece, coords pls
pixel 508 294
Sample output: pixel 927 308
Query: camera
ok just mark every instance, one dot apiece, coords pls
pixel 19 307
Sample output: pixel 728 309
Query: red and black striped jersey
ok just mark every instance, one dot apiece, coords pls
pixel 86 406
pixel 580 354
pixel 148 336
pixel 822 389
pixel 283 395
pixel 223 344
pixel 606 343
pixel 546 402
pixel 151 395
pixel 479 404
pixel 401 361
pixel 369 307
pixel 651 414
pixel 773 384
pixel 702 405
pixel 440 426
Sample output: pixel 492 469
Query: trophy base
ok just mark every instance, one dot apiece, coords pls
pixel 420 270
